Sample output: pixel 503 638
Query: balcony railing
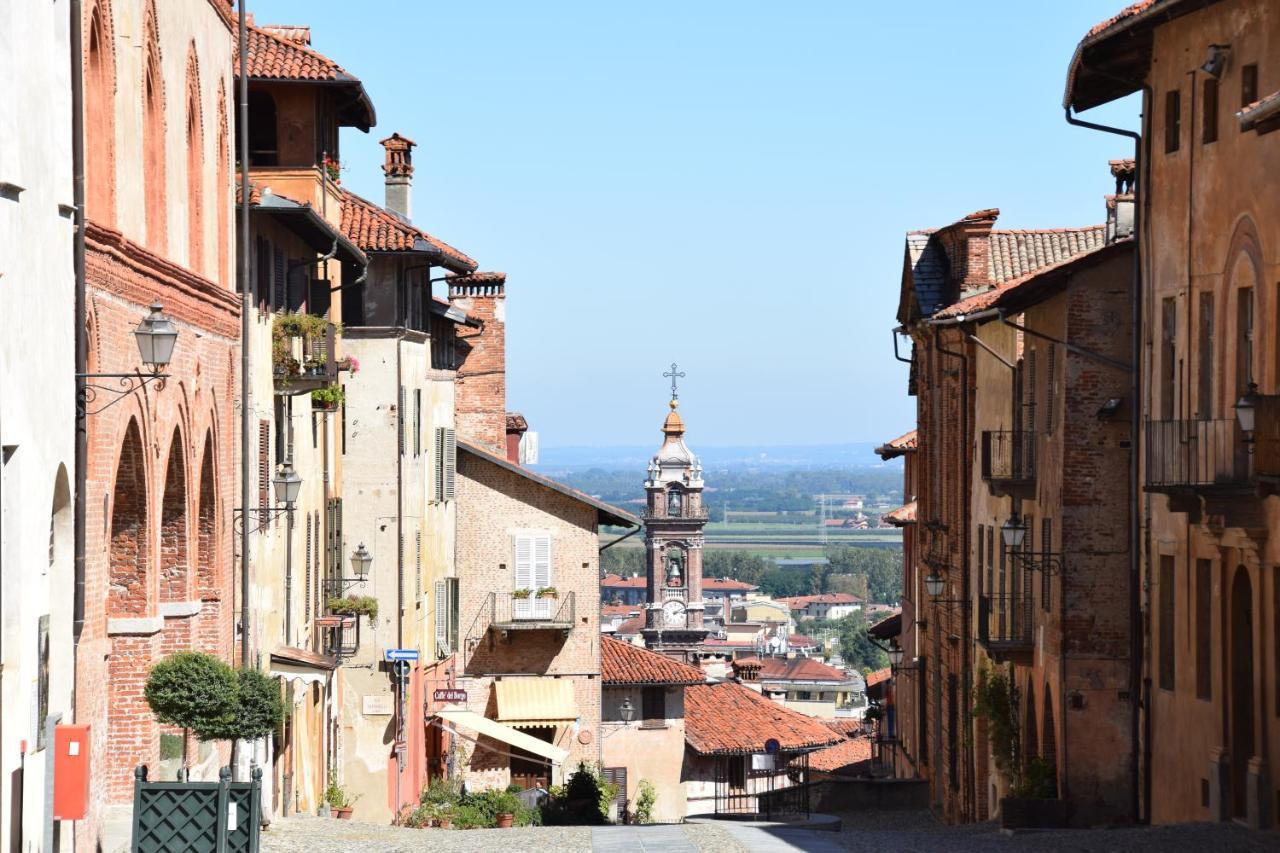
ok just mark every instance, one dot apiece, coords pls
pixel 340 635
pixel 1193 454
pixel 509 612
pixel 303 353
pixel 1005 624
pixel 1009 457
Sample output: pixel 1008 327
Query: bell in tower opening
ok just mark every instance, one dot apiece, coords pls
pixel 674 520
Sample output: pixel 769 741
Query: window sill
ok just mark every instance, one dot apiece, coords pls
pixel 653 726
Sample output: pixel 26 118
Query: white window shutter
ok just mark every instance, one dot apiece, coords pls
pixel 450 464
pixel 541 561
pixel 442 620
pixel 525 578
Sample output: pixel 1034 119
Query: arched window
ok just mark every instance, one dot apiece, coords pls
pixel 99 116
pixel 675 501
pixel 262 130
pixel 675 566
pixel 195 168
pixel 221 190
pixel 153 141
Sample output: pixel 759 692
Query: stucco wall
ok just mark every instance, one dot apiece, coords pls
pixel 649 753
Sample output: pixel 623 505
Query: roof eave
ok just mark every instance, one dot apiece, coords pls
pixel 289 210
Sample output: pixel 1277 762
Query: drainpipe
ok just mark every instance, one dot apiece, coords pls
pixel 246 307
pixel 81 319
pixel 1139 723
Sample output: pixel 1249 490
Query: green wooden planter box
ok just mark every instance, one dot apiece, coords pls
pixel 196 817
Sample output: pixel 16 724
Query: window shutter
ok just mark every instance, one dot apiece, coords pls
pixel 451 594
pixel 417 562
pixel 1046 545
pixel 442 620
pixel 439 463
pixel 278 288
pixel 306 594
pixel 400 419
pixel 524 578
pixel 417 421
pixel 450 463
pixel 261 278
pixel 541 561
pixel 264 464
pixel 1051 384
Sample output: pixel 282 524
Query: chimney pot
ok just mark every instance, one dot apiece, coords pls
pixel 397 165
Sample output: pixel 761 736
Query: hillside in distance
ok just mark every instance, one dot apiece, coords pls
pixel 779 457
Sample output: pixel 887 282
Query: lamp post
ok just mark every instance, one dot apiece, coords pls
pixel 627 710
pixel 287 486
pixel 361 562
pixel 1014 534
pixel 935 585
pixel 156 336
pixel 1246 413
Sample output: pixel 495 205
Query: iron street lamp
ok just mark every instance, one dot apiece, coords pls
pixel 156 336
pixel 935 585
pixel 361 560
pixel 1013 532
pixel 627 710
pixel 895 656
pixel 287 486
pixel 1246 410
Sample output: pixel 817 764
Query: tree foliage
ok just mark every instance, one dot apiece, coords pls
pixel 192 690
pixel 200 692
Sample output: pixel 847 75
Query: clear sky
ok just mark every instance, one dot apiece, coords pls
pixel 721 184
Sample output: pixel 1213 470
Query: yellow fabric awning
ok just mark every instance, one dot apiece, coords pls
pixel 491 728
pixel 526 702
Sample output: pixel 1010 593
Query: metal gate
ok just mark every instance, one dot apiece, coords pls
pixel 760 784
pixel 196 817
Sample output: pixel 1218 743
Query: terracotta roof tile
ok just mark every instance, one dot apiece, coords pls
pixel 274 56
pixel 1259 111
pixel 843 756
pixel 908 442
pixel 878 676
pixel 375 229
pixel 800 669
pixel 905 514
pixel 632 626
pixel 1125 13
pixel 476 278
pixel 1014 254
pixel 618 609
pixel 730 718
pixel 623 663
pixel 802 641
pixel 798 602
pixel 844 726
pixel 612 581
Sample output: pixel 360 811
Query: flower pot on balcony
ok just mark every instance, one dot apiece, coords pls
pixel 1032 813
pixel 343 813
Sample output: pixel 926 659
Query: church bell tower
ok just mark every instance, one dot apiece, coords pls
pixel 674 520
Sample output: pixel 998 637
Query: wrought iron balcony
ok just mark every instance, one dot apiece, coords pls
pixel 1195 455
pixel 340 635
pixel 510 611
pixel 1008 460
pixel 1005 626
pixel 302 357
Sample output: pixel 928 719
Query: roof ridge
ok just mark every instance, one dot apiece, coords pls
pixel 305 48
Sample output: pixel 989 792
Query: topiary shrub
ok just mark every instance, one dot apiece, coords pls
pixel 194 691
pixel 646 796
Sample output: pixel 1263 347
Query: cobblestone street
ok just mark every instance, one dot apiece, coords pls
pixel 868 832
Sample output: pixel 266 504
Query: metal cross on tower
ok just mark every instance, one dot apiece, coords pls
pixel 673 375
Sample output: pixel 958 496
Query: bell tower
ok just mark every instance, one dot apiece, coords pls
pixel 674 520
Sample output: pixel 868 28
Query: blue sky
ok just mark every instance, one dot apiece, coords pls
pixel 722 184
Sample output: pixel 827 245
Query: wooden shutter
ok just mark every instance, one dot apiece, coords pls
pixel 264 464
pixel 400 419
pixel 438 467
pixel 1051 388
pixel 442 620
pixel 525 573
pixel 1046 581
pixel 262 273
pixel 306 595
pixel 417 562
pixel 417 421
pixel 451 594
pixel 446 466
pixel 278 288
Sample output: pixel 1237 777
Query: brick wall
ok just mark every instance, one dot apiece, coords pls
pixel 481 401
pixel 494 503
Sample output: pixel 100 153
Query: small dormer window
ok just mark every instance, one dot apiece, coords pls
pixel 675 501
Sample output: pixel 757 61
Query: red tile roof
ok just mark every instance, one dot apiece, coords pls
pixel 1259 111
pixel 375 229
pixel 802 641
pixel 618 609
pixel 1016 253
pixel 844 726
pixel 276 56
pixel 843 756
pixel 623 663
pixel 1125 13
pixel 878 676
pixel 996 296
pixel 798 602
pixel 476 278
pixel 613 581
pixel 632 626
pixel 905 514
pixel 800 669
pixel 729 718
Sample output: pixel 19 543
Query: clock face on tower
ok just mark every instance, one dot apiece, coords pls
pixel 673 614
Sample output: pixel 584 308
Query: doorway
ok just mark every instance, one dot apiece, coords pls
pixel 1240 696
pixel 529 770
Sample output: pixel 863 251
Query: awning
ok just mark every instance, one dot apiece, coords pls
pixel 524 702
pixel 293 664
pixel 491 728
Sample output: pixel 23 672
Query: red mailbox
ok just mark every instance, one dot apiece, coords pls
pixel 70 772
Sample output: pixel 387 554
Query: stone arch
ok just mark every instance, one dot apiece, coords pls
pixel 129 546
pixel 174 562
pixel 60 519
pixel 1242 268
pixel 99 112
pixel 221 202
pixel 153 133
pixel 1048 729
pixel 195 164
pixel 675 500
pixel 206 525
pixel 1240 692
pixel 1030 741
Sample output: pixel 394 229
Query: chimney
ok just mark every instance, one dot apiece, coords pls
pixel 480 396
pixel 398 167
pixel 975 231
pixel 517 426
pixel 1120 205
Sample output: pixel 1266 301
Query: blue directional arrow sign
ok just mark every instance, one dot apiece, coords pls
pixel 402 654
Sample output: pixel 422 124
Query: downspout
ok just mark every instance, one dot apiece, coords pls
pixel 246 307
pixel 81 320
pixel 965 612
pixel 1138 722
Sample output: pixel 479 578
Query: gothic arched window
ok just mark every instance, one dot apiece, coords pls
pixel 675 501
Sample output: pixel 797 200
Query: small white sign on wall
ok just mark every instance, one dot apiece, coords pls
pixel 379 705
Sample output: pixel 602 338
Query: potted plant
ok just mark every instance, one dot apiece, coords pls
pixel 521 594
pixel 333 169
pixel 444 815
pixel 328 398
pixel 505 806
pixel 354 605
pixel 349 363
pixel 337 798
pixel 548 592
